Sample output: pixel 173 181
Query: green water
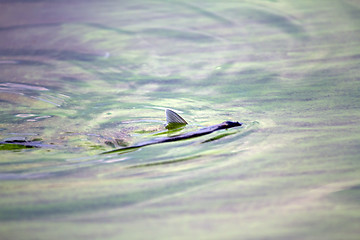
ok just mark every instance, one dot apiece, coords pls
pixel 82 77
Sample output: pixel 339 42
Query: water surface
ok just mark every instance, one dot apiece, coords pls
pixel 86 77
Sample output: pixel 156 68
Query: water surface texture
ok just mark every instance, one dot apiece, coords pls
pixel 78 78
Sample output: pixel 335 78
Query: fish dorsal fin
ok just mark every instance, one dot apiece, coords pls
pixel 173 119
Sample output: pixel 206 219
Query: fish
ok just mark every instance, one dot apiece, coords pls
pixel 175 120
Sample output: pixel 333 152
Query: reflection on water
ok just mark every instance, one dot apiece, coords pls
pixel 81 78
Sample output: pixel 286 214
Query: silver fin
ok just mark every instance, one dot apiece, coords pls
pixel 173 117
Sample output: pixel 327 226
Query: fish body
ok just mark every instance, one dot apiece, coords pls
pixel 174 118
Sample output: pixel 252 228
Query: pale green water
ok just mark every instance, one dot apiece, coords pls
pixel 78 74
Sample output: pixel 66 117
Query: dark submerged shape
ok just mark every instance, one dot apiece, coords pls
pixel 14 144
pixel 201 132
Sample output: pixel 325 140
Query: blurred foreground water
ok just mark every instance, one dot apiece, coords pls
pixel 81 77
